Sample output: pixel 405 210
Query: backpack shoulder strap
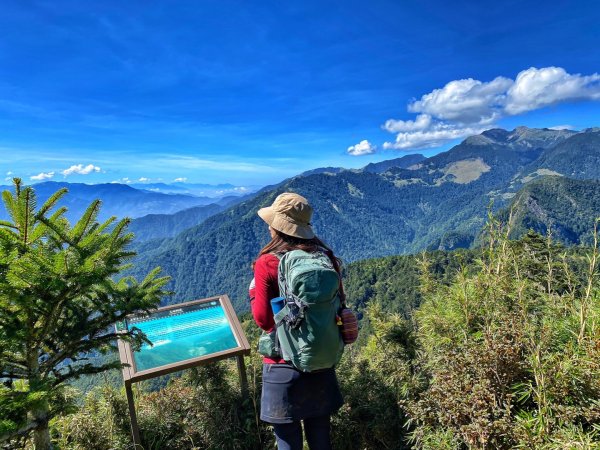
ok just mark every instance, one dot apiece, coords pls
pixel 277 255
pixel 284 289
pixel 341 292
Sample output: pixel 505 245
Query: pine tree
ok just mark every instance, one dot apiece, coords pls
pixel 59 296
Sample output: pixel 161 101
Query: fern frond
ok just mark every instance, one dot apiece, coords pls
pixel 9 204
pixel 7 224
pixel 108 222
pixel 59 227
pixel 8 235
pixel 58 213
pixel 17 182
pixel 26 203
pixel 119 227
pixel 51 202
pixel 89 217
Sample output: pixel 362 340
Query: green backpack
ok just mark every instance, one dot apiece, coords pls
pixel 307 329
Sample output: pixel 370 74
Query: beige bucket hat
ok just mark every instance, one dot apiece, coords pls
pixel 290 214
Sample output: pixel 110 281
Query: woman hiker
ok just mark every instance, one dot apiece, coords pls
pixel 291 397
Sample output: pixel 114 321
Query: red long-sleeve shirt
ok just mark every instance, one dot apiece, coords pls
pixel 262 290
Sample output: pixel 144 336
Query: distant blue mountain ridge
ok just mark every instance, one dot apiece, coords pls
pixel 183 201
pixel 197 189
pixel 120 200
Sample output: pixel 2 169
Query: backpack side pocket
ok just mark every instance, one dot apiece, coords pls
pixel 268 345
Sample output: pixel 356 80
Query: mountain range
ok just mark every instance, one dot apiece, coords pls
pixel 156 226
pixel 197 189
pixel 389 208
pixel 120 200
pixel 394 207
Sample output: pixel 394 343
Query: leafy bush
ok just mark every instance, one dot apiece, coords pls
pixel 203 409
pixel 511 353
pixel 371 381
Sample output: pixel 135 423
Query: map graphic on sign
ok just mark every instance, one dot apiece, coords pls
pixel 180 334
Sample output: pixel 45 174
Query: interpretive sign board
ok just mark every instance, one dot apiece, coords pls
pixel 182 336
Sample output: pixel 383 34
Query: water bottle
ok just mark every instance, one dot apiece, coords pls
pixel 277 304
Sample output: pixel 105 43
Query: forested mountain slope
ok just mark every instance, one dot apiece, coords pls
pixel 578 157
pixel 154 226
pixel 566 206
pixel 393 282
pixel 440 203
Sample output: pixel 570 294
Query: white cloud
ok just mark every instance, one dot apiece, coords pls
pixel 468 106
pixel 362 148
pixel 536 88
pixel 80 169
pixel 9 173
pixel 42 176
pixel 421 122
pixel 438 135
pixel 180 180
pixel 125 180
pixel 465 101
pixel 562 127
pixel 144 179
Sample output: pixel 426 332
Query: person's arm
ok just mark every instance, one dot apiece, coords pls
pixel 265 288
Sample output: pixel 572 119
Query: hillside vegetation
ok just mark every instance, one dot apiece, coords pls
pixel 578 157
pixel 565 207
pixel 502 353
pixel 156 226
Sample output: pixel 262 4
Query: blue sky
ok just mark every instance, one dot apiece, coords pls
pixel 252 92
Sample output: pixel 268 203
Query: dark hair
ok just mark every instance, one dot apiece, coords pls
pixel 282 243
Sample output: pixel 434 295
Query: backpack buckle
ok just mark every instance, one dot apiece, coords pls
pixel 295 314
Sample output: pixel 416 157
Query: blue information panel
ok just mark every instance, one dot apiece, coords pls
pixel 181 334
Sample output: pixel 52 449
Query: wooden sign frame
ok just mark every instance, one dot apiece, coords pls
pixel 130 372
pixel 132 375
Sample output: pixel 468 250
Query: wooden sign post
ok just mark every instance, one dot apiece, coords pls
pixel 184 335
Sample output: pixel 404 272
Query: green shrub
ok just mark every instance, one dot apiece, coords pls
pixel 203 409
pixel 511 353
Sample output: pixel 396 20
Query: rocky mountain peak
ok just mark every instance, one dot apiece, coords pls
pixel 480 139
pixel 521 138
pixel 524 137
pixel 496 134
